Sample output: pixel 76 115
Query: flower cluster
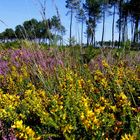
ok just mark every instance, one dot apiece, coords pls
pixel 23 132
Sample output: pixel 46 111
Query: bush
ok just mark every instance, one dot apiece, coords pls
pixel 45 97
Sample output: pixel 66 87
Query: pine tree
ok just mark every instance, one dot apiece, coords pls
pixel 72 5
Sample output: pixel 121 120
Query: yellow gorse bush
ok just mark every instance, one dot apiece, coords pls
pixel 23 132
pixel 128 137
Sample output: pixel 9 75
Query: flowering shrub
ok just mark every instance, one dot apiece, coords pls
pixel 41 97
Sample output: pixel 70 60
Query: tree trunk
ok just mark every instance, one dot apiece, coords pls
pixel 113 24
pixel 87 40
pixel 132 30
pixel 94 39
pixel 139 35
pixel 120 17
pixel 136 30
pixel 125 29
pixel 94 30
pixel 103 30
pixel 71 17
pixel 126 25
pixel 82 33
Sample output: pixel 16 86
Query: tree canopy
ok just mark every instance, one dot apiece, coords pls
pixel 35 30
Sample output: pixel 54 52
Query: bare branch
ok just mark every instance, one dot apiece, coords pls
pixel 3 22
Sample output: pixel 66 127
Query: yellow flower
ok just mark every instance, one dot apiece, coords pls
pixel 128 137
pixel 123 96
pixel 96 121
pixel 105 64
pixel 98 72
pixel 67 128
pixel 81 83
pixel 90 113
pixel 20 135
pixel 99 110
pixel 20 79
pixel 119 82
pixel 113 108
pixel 28 91
pixel 1 91
pixel 86 123
pixel 103 100
pixel 64 116
pixel 30 132
pixel 104 82
pixel 95 77
pixel 85 65
pixel 82 116
pixel 18 124
pixel 21 115
pixel 61 107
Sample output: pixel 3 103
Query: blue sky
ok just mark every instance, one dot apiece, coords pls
pixel 14 12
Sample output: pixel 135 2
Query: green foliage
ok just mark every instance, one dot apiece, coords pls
pixel 90 53
pixel 72 40
pixel 40 31
pixel 8 45
pixel 127 45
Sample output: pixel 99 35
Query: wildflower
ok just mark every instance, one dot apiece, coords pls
pixel 95 77
pixel 82 116
pixel 96 121
pixel 86 123
pixel 1 91
pixel 99 110
pixel 67 128
pixel 18 124
pixel 64 116
pixel 80 83
pixel 128 137
pixel 105 64
pixel 28 92
pixel 61 107
pixel 113 108
pixel 98 73
pixel 90 113
pixel 118 82
pixel 30 132
pixel 103 100
pixel 123 96
pixel 85 65
pixel 104 82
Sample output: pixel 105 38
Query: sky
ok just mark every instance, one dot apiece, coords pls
pixel 15 12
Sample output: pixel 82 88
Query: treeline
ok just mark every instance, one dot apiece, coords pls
pixel 92 12
pixel 41 31
pixel 89 13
